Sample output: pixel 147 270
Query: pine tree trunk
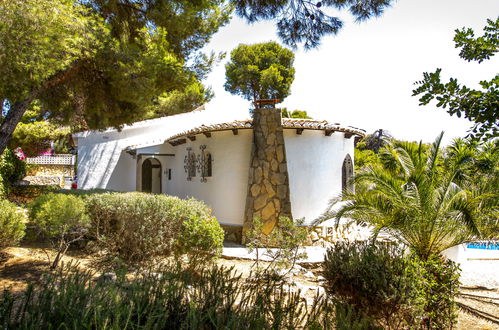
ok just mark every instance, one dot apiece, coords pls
pixel 13 117
pixel 18 109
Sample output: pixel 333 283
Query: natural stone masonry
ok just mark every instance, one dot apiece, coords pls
pixel 268 183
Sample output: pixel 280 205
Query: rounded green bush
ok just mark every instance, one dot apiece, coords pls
pixel 11 167
pixel 200 233
pixel 56 215
pixel 12 225
pixel 392 288
pixel 372 279
pixel 138 226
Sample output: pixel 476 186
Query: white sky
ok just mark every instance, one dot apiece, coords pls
pixel 364 76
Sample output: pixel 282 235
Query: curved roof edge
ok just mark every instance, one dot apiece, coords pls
pixel 287 123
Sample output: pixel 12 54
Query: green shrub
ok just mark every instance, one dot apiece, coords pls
pixel 60 218
pixel 394 290
pixel 437 283
pixel 84 193
pixel 3 188
pixel 168 298
pixel 12 168
pixel 200 232
pixel 24 194
pixel 349 318
pixel 372 279
pixel 12 225
pixel 138 226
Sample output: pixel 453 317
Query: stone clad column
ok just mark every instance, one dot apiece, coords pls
pixel 268 184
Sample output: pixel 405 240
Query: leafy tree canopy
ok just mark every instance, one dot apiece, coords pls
pixel 35 134
pixel 304 21
pixel 294 114
pixel 101 63
pixel 478 105
pixel 260 71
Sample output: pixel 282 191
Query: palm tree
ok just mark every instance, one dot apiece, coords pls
pixel 481 177
pixel 414 196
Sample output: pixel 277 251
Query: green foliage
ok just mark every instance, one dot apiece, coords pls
pixel 260 71
pixel 170 297
pixel 95 64
pixel 41 38
pixel 294 114
pixel 60 218
pixel 12 219
pixel 12 169
pixel 281 245
pixel 479 172
pixel 23 194
pixel 348 318
pixel 436 282
pixel 415 198
pixel 302 21
pixel 179 101
pixel 34 134
pixel 3 189
pixel 200 234
pixel 139 226
pixel 372 279
pixel 477 105
pixel 364 158
pixel 480 48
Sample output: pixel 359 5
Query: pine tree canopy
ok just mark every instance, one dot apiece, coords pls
pixel 306 22
pixel 260 71
pixel 101 63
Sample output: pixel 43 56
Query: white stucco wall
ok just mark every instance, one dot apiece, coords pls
pixel 314 164
pixel 225 191
pixel 314 167
pixel 99 151
pixel 98 156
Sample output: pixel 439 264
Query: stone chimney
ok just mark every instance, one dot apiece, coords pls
pixel 268 183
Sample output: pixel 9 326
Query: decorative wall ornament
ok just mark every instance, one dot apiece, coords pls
pixel 190 164
pixel 204 163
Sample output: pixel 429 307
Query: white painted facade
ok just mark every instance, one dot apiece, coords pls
pixel 314 163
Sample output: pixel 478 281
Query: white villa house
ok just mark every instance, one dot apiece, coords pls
pixel 199 155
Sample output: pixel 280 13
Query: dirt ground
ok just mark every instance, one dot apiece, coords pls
pixel 21 265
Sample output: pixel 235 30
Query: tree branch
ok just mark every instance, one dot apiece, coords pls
pixel 18 108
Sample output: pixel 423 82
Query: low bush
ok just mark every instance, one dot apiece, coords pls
pixel 201 232
pixel 60 218
pixel 24 194
pixel 373 279
pixel 138 226
pixel 436 282
pixel 11 167
pixel 392 289
pixel 11 170
pixel 168 298
pixel 3 188
pixel 12 225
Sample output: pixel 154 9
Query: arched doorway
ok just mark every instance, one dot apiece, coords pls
pixel 347 174
pixel 151 176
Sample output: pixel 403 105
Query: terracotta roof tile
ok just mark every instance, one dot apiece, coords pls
pixel 287 123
